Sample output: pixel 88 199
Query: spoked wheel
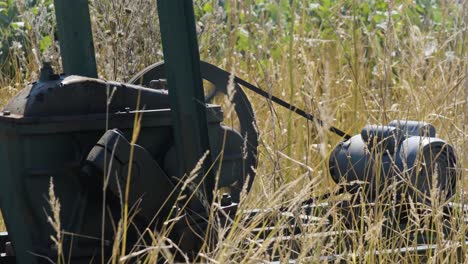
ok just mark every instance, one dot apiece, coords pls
pixel 242 107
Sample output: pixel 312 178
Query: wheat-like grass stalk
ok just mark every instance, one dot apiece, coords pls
pixel 351 68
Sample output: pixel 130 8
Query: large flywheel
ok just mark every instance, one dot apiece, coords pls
pixel 242 108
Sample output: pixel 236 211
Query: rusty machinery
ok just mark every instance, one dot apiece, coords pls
pixel 77 130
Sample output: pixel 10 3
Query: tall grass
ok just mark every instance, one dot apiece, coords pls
pixel 350 62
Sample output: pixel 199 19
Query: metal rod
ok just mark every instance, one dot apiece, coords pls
pixel 75 37
pixel 291 107
pixel 180 48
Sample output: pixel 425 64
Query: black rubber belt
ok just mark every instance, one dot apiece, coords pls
pixel 289 106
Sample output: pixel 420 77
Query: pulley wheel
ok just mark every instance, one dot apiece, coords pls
pixel 242 107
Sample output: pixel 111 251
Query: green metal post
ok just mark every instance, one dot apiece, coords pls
pixel 182 62
pixel 75 37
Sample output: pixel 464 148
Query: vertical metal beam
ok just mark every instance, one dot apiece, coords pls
pixel 75 37
pixel 182 65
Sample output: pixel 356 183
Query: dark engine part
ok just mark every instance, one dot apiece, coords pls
pixel 404 156
pixel 150 187
pixel 152 194
pixel 242 107
pixel 47 132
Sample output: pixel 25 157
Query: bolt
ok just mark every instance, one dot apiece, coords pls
pixel 6 113
pixel 46 72
pixel 226 199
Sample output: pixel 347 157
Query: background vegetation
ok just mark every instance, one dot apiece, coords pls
pixel 351 62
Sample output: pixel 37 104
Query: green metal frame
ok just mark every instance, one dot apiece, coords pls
pixel 180 47
pixel 75 37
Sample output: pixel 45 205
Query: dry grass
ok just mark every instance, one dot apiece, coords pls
pixel 349 72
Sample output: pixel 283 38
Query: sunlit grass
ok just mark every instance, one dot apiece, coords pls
pixel 349 63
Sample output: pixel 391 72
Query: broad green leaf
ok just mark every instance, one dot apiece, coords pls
pixel 208 7
pixel 45 43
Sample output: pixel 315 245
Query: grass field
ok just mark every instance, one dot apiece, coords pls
pixel 351 63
